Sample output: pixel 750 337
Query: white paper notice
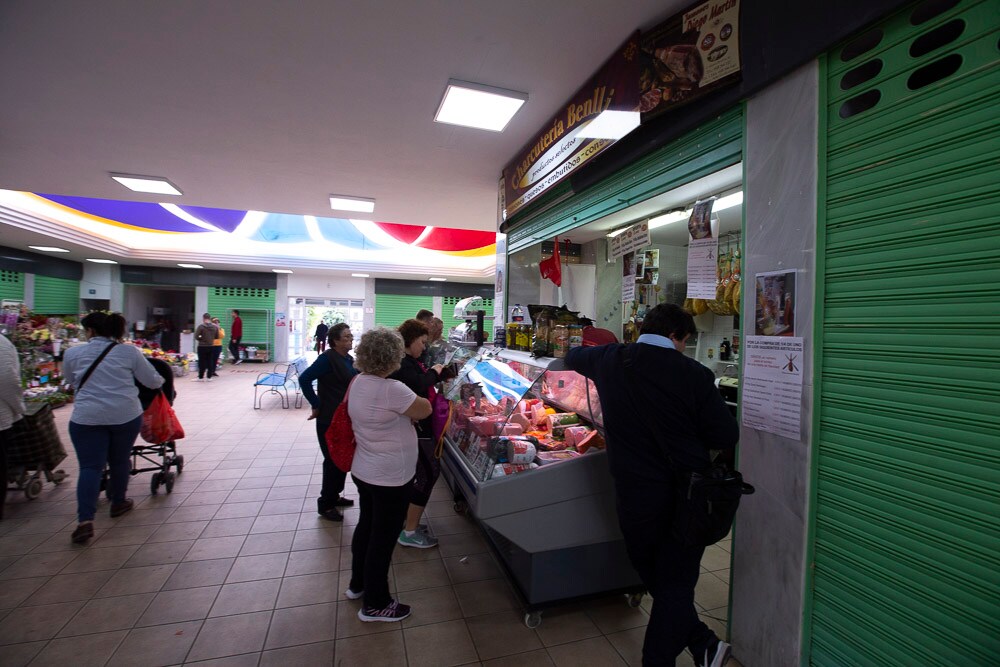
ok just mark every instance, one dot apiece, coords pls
pixel 703 262
pixel 771 396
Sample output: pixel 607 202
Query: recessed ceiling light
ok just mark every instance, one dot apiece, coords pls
pixel 437 280
pixel 282 270
pixel 151 184
pixel 728 201
pixel 360 275
pixel 359 204
pixel 191 266
pixel 47 248
pixel 610 125
pixel 102 261
pixel 478 106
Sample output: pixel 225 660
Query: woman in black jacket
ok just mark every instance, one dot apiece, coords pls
pixel 421 381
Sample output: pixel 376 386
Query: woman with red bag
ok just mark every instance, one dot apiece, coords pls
pixel 382 413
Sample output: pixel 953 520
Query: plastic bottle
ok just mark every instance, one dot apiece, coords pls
pixel 517 313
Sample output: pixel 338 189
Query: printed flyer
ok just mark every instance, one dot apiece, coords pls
pixel 771 397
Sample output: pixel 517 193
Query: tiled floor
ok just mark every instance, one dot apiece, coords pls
pixel 235 568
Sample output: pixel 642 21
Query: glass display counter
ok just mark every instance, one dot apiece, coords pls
pixel 524 454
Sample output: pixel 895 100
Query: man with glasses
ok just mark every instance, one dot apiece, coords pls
pixel 332 371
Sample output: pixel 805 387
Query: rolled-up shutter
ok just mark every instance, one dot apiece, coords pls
pixel 391 310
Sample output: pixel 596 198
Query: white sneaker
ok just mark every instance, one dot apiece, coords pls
pixel 718 656
pixel 351 595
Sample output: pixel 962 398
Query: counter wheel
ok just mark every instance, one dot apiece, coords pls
pixel 168 481
pixel 533 619
pixel 155 481
pixel 179 463
pixel 33 489
pixel 635 599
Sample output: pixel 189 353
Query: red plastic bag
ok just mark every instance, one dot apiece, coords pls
pixel 160 423
pixel 550 268
pixel 340 440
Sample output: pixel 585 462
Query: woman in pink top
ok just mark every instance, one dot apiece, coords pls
pixel 382 413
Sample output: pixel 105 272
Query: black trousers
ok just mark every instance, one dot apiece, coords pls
pixel 428 471
pixel 668 569
pixel 3 469
pixel 216 354
pixel 383 509
pixel 206 360
pixel 333 477
pixel 234 348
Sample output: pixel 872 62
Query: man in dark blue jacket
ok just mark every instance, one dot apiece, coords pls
pixel 663 413
pixel 332 371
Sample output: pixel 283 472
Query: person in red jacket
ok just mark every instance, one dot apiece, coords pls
pixel 235 334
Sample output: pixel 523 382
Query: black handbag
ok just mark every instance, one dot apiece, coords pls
pixel 705 501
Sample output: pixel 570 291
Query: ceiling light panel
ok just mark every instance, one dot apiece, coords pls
pixel 102 261
pixel 282 270
pixel 47 248
pixel 151 184
pixel 478 106
pixel 191 266
pixel 358 204
pixel 360 275
pixel 437 280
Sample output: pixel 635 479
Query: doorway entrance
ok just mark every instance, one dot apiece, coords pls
pixel 306 313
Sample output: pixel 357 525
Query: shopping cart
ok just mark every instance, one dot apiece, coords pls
pixel 34 450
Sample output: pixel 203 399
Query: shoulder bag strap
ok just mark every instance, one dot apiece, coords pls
pixel 94 365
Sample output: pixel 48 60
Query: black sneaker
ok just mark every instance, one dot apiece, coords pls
pixel 332 515
pixel 83 532
pixel 718 655
pixel 394 611
pixel 341 501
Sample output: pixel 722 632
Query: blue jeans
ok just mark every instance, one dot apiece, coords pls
pixel 96 446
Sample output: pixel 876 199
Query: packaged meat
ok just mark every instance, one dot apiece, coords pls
pixel 506 469
pixel 485 425
pixel 521 420
pixel 575 434
pixel 538 416
pixel 592 441
pixel 553 457
pixel 512 429
pixel 561 419
pixel 520 452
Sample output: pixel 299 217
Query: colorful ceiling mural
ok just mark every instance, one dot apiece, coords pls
pixel 276 228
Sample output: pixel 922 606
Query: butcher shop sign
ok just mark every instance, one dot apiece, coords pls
pixel 694 52
pixel 601 112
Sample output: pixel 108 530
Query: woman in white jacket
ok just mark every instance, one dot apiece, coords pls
pixel 11 405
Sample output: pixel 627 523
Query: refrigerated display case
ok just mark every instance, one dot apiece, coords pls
pixel 551 522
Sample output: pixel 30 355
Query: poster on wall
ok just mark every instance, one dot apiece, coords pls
pixel 703 252
pixel 630 240
pixel 280 320
pixel 628 277
pixel 771 387
pixel 775 303
pixel 689 55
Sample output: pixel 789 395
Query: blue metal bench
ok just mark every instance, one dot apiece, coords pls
pixel 277 382
pixel 300 365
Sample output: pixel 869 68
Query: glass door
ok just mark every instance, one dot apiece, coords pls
pixel 298 339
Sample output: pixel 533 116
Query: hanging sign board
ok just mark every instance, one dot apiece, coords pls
pixel 703 252
pixel 632 239
pixel 568 141
pixel 689 55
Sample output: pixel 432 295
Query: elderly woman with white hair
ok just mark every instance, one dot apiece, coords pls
pixel 382 413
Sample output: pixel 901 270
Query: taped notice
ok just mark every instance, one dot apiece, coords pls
pixel 771 387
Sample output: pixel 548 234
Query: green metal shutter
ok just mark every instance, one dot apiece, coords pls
pixel 11 286
pixel 56 296
pixel 907 468
pixel 703 151
pixel 391 310
pixel 448 304
pixel 256 308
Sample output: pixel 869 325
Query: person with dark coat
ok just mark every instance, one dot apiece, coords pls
pixel 332 371
pixel 663 414
pixel 205 336
pixel 322 331
pixel 235 336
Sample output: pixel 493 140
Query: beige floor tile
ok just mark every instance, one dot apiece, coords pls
pixel 149 579
pixel 248 495
pixel 614 615
pixel 125 535
pixel 714 624
pixel 501 634
pixel 431 605
pixel 250 568
pixel 267 543
pixel 29 624
pixel 91 650
pixel 145 517
pixel 485 597
pixel 274 523
pixel 716 558
pixel 39 565
pixel 210 548
pixel 722 574
pixel 320 653
pixel 189 604
pixel 156 646
pixel 403 554
pixel 711 592
pixel 313 561
pixel 440 508
pixel 538 658
pixel 474 567
pixel 196 574
pixel 563 625
pixel 96 558
pixel 439 645
pixel 628 643
pixel 239 510
pixel 462 544
pixel 302 625
pixel 16 591
pixel 160 554
pixel 246 597
pixel 107 614
pixel 19 655
pixel 595 652
pixel 175 532
pixel 413 576
pixel 309 589
pixel 451 525
pixel 385 649
pixel 70 587
pixel 231 635
pixel 316 539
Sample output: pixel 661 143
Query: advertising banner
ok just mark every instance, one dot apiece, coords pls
pixel 771 396
pixel 703 253
pixel 630 240
pixel 688 55
pixel 570 140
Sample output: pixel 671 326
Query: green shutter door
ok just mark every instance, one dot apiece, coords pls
pixel 907 488
pixel 56 296
pixel 11 286
pixel 256 308
pixel 391 310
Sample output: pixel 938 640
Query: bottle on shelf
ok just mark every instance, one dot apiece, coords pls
pixel 517 313
pixel 725 349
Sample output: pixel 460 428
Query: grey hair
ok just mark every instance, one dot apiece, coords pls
pixel 380 352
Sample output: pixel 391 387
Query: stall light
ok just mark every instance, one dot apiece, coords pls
pixel 437 280
pixel 152 184
pixel 191 266
pixel 360 275
pixel 676 216
pixel 728 201
pixel 47 248
pixel 478 106
pixel 358 204
pixel 102 261
pixel 610 125
pixel 282 270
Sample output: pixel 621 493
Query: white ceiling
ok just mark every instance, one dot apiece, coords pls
pixel 254 104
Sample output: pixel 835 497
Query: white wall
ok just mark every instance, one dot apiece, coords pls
pixel 325 287
pixel 96 277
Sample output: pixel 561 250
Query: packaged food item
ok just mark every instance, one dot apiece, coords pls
pixel 485 425
pixel 575 335
pixel 538 416
pixel 591 441
pixel 561 419
pixel 520 452
pixel 553 457
pixel 506 469
pixel 512 329
pixel 523 337
pixel 575 434
pixel 540 339
pixel 559 340
pixel 512 428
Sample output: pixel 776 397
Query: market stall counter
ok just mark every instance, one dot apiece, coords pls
pixel 524 454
